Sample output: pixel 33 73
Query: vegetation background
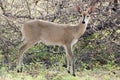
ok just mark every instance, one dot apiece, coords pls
pixel 97 51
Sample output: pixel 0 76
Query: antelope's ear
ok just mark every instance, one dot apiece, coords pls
pixel 78 9
pixel 91 10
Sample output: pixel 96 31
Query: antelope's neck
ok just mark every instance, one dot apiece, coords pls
pixel 80 29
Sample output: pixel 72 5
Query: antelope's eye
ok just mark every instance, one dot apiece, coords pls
pixel 80 15
pixel 87 15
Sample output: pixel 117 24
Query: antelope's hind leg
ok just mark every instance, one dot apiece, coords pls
pixel 22 50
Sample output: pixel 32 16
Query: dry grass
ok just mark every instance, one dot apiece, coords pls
pixel 44 74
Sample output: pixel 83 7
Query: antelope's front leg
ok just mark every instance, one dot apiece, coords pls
pixel 73 66
pixel 68 64
pixel 70 59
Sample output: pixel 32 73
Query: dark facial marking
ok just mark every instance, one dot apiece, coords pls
pixel 84 18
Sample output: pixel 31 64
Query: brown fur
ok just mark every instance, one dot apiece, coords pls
pixel 50 33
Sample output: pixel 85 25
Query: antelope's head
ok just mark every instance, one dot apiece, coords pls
pixel 85 14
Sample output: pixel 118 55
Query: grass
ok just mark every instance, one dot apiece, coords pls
pixel 38 72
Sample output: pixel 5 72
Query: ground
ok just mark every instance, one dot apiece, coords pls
pixel 61 74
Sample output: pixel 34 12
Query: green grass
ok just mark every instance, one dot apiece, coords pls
pixel 38 72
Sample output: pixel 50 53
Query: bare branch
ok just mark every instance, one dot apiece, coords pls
pixel 115 5
pixel 29 11
pixel 1 5
pixel 93 2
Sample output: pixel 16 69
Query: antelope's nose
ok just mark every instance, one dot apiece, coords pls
pixel 83 22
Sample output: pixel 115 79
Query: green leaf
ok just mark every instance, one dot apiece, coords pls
pixel 118 31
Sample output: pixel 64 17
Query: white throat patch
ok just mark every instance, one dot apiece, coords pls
pixel 74 41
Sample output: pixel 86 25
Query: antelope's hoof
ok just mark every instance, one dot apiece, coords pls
pixel 68 71
pixel 64 65
pixel 19 70
pixel 73 74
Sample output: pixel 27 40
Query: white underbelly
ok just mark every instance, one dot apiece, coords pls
pixel 48 42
